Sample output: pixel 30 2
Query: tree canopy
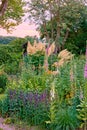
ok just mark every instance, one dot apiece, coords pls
pixel 56 18
pixel 11 12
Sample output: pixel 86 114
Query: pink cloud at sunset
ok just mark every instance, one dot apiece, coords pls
pixel 21 30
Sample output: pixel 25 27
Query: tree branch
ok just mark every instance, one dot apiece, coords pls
pixel 66 36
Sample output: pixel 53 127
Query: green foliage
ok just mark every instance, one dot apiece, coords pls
pixel 36 61
pixel 4 107
pixel 12 13
pixel 8 121
pixel 78 68
pixel 51 59
pixel 66 28
pixel 76 41
pixel 52 114
pixel 63 113
pixel 2 96
pixel 82 113
pixel 3 82
pixel 32 81
pixel 11 55
pixel 28 96
pixel 66 119
pixel 85 91
pixel 12 68
pixel 64 84
pixel 31 39
pixel 4 55
pixel 62 117
pixel 82 108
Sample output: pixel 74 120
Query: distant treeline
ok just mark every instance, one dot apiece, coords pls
pixel 6 39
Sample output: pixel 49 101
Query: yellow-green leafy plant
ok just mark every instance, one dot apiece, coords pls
pixel 82 113
pixel 82 108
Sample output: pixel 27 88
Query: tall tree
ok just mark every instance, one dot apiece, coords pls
pixel 11 12
pixel 76 41
pixel 58 15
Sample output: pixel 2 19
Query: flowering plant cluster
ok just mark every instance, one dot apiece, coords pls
pixel 28 106
pixel 53 96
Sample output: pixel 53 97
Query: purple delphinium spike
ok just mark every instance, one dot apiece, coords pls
pixel 85 71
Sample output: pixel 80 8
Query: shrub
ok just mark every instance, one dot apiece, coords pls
pixel 12 68
pixel 36 61
pixel 66 119
pixel 11 55
pixel 3 81
pixel 82 113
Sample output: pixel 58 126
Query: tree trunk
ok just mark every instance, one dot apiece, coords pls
pixel 65 38
pixel 3 7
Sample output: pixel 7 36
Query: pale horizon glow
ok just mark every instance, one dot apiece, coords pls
pixel 21 30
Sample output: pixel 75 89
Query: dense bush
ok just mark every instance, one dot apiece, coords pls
pixel 11 55
pixel 3 81
pixel 36 61
pixel 66 118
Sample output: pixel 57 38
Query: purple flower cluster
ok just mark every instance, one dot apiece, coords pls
pixel 29 97
pixel 30 106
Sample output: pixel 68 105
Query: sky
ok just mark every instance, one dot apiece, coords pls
pixel 21 30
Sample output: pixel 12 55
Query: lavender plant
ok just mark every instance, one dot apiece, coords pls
pixel 27 106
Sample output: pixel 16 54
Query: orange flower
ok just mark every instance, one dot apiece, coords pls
pixel 49 72
pixel 52 72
